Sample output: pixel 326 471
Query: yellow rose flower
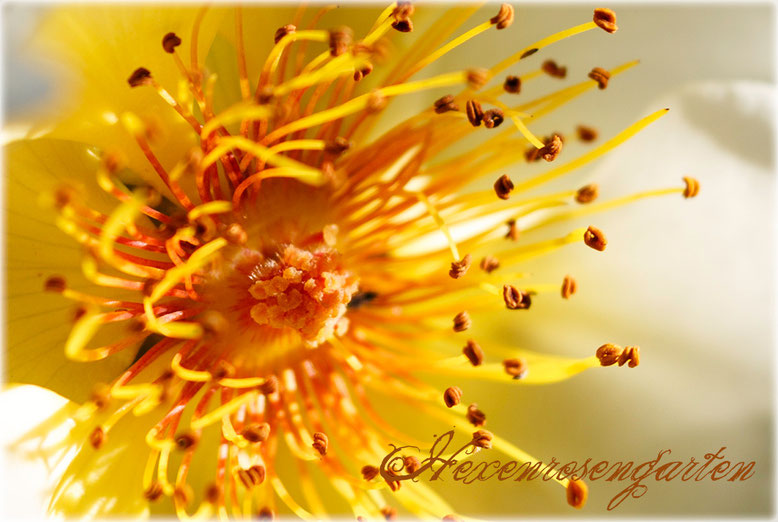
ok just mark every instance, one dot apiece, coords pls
pixel 267 268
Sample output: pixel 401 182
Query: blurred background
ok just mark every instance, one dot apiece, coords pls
pixel 690 282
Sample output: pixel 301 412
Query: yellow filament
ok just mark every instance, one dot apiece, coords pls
pixel 440 223
pixel 248 382
pixel 275 54
pixel 186 373
pixel 542 247
pixel 148 472
pixel 593 154
pixel 340 66
pixel 285 146
pixel 228 430
pixel 287 499
pixel 120 219
pixel 238 112
pixel 153 442
pixel 164 458
pixel 526 132
pixel 223 410
pixel 212 207
pixel 453 44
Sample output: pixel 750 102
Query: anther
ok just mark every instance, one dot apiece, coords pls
pixel 154 492
pixel 452 396
pixel 516 368
pixel 474 112
pixel 462 322
pixel 493 118
pixel 140 76
pixel 256 432
pixel 577 492
pixel 340 40
pixel 503 187
pixel 412 464
pixel 513 230
pixel 184 494
pixel 364 71
pixel 404 26
pixel 605 19
pixel 265 95
pixel 528 52
pixel 266 514
pixel 551 68
pixel 283 31
pixel 692 187
pixel 101 394
pixel 445 104
pixel 459 268
pixel 55 284
pixel 587 193
pixel 608 354
pixel 97 437
pixel 594 238
pixel 389 513
pixel 483 439
pixel 394 485
pixel 474 353
pixel 489 264
pixel 552 148
pixel 253 476
pixel 477 78
pixel 369 472
pixel 113 161
pixel 270 386
pixel 80 312
pixel 630 356
pixel 569 287
pixel 222 370
pixel 601 76
pixel 512 85
pixel 212 494
pixel 338 146
pixel 504 18
pixel 320 443
pixel 586 134
pixel 169 42
pixel 402 17
pixel 185 441
pixel 475 416
pixel 515 299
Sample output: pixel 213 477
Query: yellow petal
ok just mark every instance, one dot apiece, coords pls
pixel 38 322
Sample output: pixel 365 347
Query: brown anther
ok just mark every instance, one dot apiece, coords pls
pixel 577 493
pixel 403 9
pixel 412 464
pixel 154 492
pixel 483 439
pixel 601 76
pixel 265 95
pixel 148 286
pixel 594 238
pixel 516 368
pixel 140 76
pixel 404 26
pixel 515 299
pixel 212 494
pixel 369 472
pixel 389 512
pixel 249 478
pixel 452 396
pixel 459 268
pixel 587 193
pixel 477 78
pixel 586 134
pixel 489 264
pixel 445 104
pixel 270 386
pixel 340 40
pixel 256 432
pixel 513 230
pixel 97 437
pixel 552 148
pixel 338 146
pixel 503 187
pixel 493 118
pixel 376 102
pixel 214 323
pixel 320 443
pixel 235 234
pixel 256 474
pixel 169 42
pixel 186 441
pixel 222 370
pixel 266 514
pixel 512 85
pixel 63 195
pixel 55 284
pixel 101 394
pixel 462 322
pixel 551 68
pixel 283 31
pixel 608 354
pixel 474 112
pixel 80 311
pixel 528 53
pixel 394 485
pixel 504 17
pixel 183 494
pixel 474 353
pixel 475 416
pixel 113 161
pixel 631 355
pixel 692 187
pixel 605 19
pixel 364 71
pixel 568 287
pixel 451 518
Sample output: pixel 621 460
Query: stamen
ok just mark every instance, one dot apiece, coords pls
pixel 516 368
pixel 459 268
pixel 568 287
pixel 605 19
pixel 515 299
pixel 489 264
pixel 577 493
pixel 601 76
pixel 551 68
pixel 369 472
pixel 475 416
pixel 169 42
pixel 452 396
pixel 586 134
pixel 503 187
pixel 445 104
pixel 504 18
pixel 594 238
pixel 474 112
pixel 587 193
pixel 483 439
pixel 141 76
pixel 692 187
pixel 462 322
pixel 474 353
pixel 512 85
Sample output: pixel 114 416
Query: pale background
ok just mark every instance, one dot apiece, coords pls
pixel 691 282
